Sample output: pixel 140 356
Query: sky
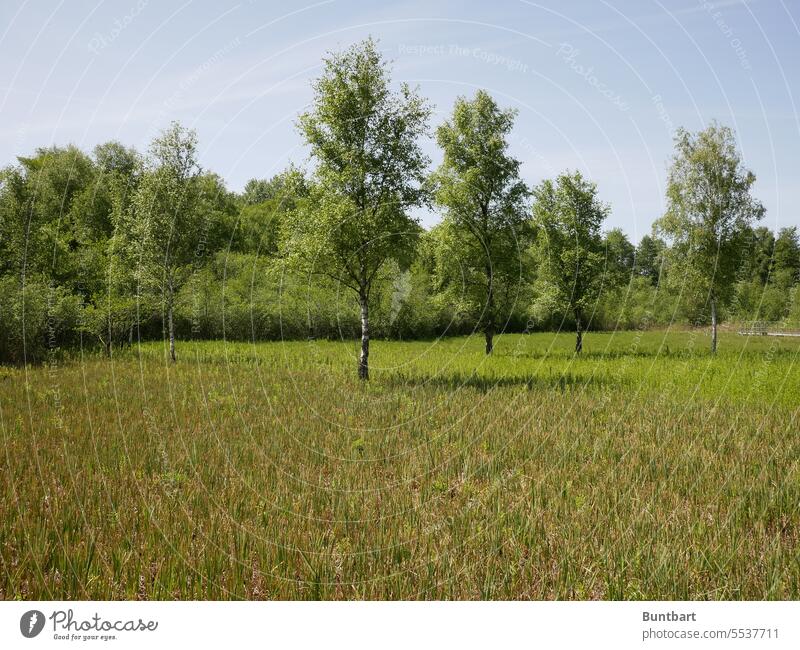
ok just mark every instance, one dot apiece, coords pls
pixel 599 86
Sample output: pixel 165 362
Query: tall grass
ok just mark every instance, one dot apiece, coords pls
pixel 644 469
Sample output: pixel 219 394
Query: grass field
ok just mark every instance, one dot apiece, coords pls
pixel 645 469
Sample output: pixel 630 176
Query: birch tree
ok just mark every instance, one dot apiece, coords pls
pixel 568 217
pixel 369 170
pixel 709 212
pixel 478 187
pixel 167 230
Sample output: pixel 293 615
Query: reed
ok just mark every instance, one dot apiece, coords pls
pixel 645 469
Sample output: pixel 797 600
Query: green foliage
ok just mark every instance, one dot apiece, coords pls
pixel 168 230
pixel 620 258
pixel 111 248
pixel 649 258
pixel 261 190
pixel 482 241
pixel 569 247
pixel 261 224
pixel 757 254
pixel 167 225
pixel 37 319
pixel 57 217
pixel 49 214
pixel 709 213
pixel 369 170
pixel 364 138
pixel 786 268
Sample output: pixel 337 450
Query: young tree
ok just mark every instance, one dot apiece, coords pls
pixel 369 172
pixel 167 229
pixel 478 187
pixel 709 211
pixel 568 217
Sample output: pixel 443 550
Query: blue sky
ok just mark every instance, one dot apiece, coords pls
pixel 599 85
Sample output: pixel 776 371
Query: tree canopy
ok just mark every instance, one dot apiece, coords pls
pixel 486 219
pixel 709 211
pixel 364 140
pixel 568 217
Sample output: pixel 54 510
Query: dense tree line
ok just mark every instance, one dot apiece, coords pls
pixel 112 247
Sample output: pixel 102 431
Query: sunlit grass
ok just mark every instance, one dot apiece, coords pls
pixel 644 469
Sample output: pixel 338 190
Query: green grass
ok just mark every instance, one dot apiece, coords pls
pixel 645 469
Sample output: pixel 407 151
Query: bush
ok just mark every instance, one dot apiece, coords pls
pixel 37 320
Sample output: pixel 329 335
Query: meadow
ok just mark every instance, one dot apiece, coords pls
pixel 645 469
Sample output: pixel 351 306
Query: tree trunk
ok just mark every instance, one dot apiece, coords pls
pixel 713 324
pixel 109 337
pixel 578 335
pixel 363 361
pixel 488 330
pixel 171 325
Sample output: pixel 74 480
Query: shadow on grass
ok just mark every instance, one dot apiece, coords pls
pixel 611 355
